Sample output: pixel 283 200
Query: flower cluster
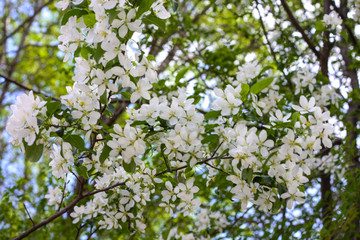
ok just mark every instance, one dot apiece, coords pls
pixel 23 123
pixel 355 6
pixel 61 159
pixel 54 196
pixel 332 20
pixel 253 132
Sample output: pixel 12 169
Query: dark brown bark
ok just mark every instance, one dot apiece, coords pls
pixel 351 119
pixel 326 193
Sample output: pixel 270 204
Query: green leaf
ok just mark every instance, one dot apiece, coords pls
pixel 136 123
pixel 181 74
pixel 52 107
pixel 126 95
pixel 82 171
pixel 144 5
pixel 261 85
pixel 321 78
pixel 60 132
pixel 34 152
pixel 264 70
pixel 282 188
pixel 104 98
pixel 84 52
pixel 111 108
pixel 212 140
pixel 265 180
pixel 196 98
pixel 76 141
pixel 150 58
pixel 99 52
pixel 83 4
pixel 112 14
pixel 276 206
pixel 175 5
pixel 40 121
pixel 89 20
pixel 212 114
pixel 294 117
pixel 319 26
pixel 247 175
pixel 70 119
pixel 104 154
pixel 152 19
pixel 244 91
pixel 130 167
pixel 149 134
pixel 73 12
pixel 77 52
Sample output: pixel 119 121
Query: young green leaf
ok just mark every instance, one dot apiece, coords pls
pixel 175 5
pixel 247 175
pixel 104 154
pixel 261 85
pixel 126 95
pixel 73 12
pixel 83 4
pixel 152 19
pixel 89 20
pixel 212 114
pixel 52 107
pixel 99 52
pixel 181 74
pixel 82 171
pixel 33 152
pixel 244 91
pixel 76 141
pixel 104 98
pixel 144 5
pixel 130 167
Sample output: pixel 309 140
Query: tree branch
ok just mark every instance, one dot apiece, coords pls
pixel 29 19
pixel 300 29
pixel 92 232
pixel 50 219
pixel 80 197
pixel 10 80
pixel 271 48
pixel 168 59
pixel 118 111
pixel 79 230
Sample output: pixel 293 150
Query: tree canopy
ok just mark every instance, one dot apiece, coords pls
pixel 179 119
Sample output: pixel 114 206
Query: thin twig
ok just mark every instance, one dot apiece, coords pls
pixel 221 170
pixel 78 230
pixel 28 214
pixel 10 80
pixel 77 178
pixel 271 48
pixel 265 32
pixel 325 151
pixel 91 233
pixel 300 29
pixel 80 197
pixel 63 196
pixel 62 126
